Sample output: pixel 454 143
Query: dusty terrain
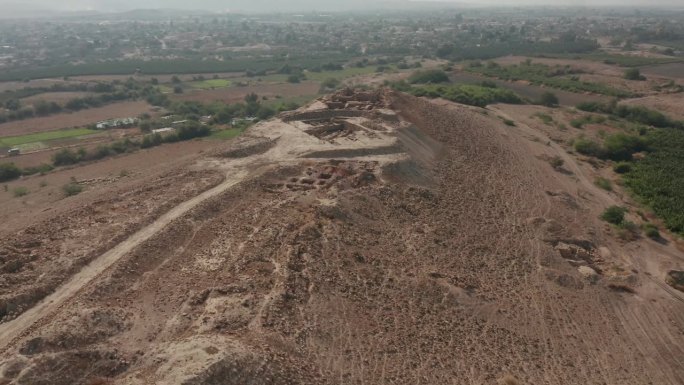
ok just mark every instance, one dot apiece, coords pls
pixel 76 119
pixel 670 104
pixel 368 238
pixel 237 94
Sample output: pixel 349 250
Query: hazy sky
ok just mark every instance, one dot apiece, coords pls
pixel 261 5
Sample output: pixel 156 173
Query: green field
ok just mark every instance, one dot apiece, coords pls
pixel 227 134
pixel 342 74
pixel 13 141
pixel 284 101
pixel 620 60
pixel 210 84
pixel 180 66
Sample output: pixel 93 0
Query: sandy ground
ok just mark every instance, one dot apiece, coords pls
pixel 237 94
pixel 529 91
pixel 671 70
pixel 586 65
pixel 75 119
pixel 417 243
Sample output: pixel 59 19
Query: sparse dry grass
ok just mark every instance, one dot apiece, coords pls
pixel 509 379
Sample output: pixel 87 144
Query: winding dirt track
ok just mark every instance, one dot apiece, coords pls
pixel 12 331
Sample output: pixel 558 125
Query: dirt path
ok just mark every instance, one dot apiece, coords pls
pixel 12 331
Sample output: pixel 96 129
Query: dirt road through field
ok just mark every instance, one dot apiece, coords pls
pixel 13 330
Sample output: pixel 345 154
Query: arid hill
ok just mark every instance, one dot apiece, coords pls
pixel 368 238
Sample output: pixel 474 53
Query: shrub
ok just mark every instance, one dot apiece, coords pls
pixel 42 169
pixel 614 215
pixel 622 167
pixel 621 146
pixel 651 231
pixel 577 123
pixel 634 74
pixel 468 94
pixel 547 119
pixel 590 107
pixel 65 157
pixel 329 84
pixel 102 152
pixel 556 162
pixel 548 99
pixel 428 77
pixel 603 183
pixel 72 189
pixel 509 122
pixel 9 171
pixel 20 191
pixel 588 147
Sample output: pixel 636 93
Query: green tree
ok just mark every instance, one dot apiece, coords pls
pixel 428 77
pixel 9 171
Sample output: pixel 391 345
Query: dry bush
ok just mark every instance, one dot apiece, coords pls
pixel 508 379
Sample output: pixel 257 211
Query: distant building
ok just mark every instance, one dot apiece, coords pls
pixel 242 120
pixel 115 123
pixel 163 130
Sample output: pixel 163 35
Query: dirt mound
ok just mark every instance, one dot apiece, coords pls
pixel 448 259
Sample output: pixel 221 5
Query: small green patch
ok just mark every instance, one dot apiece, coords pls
pixel 556 162
pixel 622 167
pixel 546 118
pixel 227 134
pixel 72 189
pixel 210 84
pixel 603 183
pixel 509 122
pixel 614 215
pixel 20 191
pixel 651 231
pixel 12 141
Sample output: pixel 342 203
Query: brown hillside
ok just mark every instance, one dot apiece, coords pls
pixel 371 238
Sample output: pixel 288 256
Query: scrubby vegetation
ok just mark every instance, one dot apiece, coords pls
pixel 556 162
pixel 466 94
pixel 651 231
pixel 618 147
pixel 614 215
pixel 564 78
pixel 548 99
pixel 71 189
pixel 658 179
pixel 9 171
pixel 428 77
pixel 636 114
pixel 547 119
pixel 634 74
pixel 566 44
pixel 603 183
pixel 587 119
pixel 622 167
pixel 20 191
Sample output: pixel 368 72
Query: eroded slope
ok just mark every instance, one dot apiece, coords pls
pixel 433 246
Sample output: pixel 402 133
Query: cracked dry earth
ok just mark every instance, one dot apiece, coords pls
pixel 371 239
